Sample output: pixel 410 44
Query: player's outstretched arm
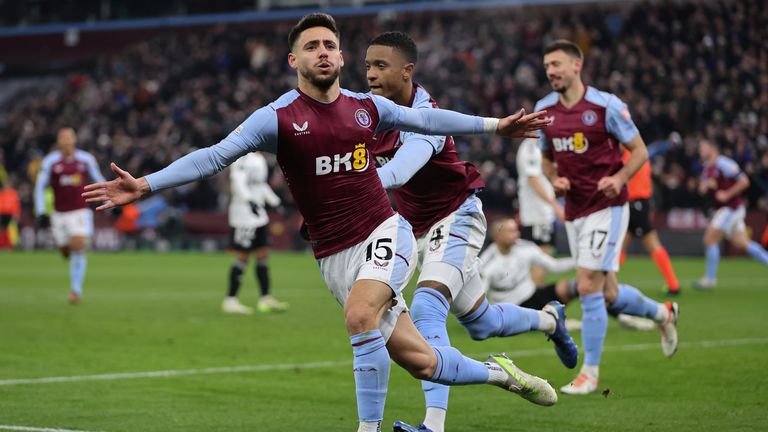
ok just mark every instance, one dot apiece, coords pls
pixel 123 190
pixel 445 122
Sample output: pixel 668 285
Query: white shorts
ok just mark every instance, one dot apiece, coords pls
pixel 730 221
pixel 448 254
pixel 596 239
pixel 387 255
pixel 66 225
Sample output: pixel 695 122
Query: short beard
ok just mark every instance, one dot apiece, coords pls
pixel 323 83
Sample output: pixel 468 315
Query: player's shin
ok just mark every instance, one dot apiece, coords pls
pixel 505 320
pixel 595 326
pixel 757 252
pixel 371 366
pixel 713 259
pixel 78 264
pixel 429 311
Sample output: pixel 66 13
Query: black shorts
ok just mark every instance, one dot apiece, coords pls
pixel 248 239
pixel 542 235
pixel 540 297
pixel 640 218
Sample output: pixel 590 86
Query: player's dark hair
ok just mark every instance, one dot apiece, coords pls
pixel 399 41
pixel 566 46
pixel 316 19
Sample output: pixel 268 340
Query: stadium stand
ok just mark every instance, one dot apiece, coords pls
pixel 684 68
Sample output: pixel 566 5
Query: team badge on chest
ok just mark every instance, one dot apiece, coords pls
pixel 589 117
pixel 363 118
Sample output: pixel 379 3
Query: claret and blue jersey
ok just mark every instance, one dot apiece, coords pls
pixel 584 141
pixel 324 152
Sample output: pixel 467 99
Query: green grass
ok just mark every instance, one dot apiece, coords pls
pixel 150 312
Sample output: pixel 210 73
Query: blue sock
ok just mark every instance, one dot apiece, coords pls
pixel 632 302
pixel 502 319
pixel 77 265
pixel 594 326
pixel 757 252
pixel 371 368
pixel 455 369
pixel 713 259
pixel 429 311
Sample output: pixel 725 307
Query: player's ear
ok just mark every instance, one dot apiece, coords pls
pixel 408 71
pixel 578 63
pixel 292 60
pixel 341 58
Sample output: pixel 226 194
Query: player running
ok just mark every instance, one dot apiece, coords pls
pixel 724 182
pixel 66 170
pixel 435 192
pixel 588 128
pixel 322 136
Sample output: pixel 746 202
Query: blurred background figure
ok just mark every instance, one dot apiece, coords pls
pixel 67 170
pixel 249 232
pixel 10 210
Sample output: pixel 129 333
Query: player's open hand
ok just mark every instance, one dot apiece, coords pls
pixel 521 125
pixel 561 185
pixel 610 186
pixel 123 190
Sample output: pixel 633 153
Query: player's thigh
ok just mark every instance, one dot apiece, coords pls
pixel 599 237
pixel 388 256
pixel 471 294
pixel 241 239
pixel 454 241
pixel 75 223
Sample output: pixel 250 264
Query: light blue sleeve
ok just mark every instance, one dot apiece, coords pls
pixel 409 159
pixel 426 121
pixel 93 169
pixel 257 133
pixel 43 178
pixel 618 121
pixel 728 167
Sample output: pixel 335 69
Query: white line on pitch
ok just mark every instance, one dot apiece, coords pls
pixel 332 364
pixel 35 429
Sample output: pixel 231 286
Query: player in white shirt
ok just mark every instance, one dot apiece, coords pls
pixel 506 269
pixel 249 231
pixel 538 205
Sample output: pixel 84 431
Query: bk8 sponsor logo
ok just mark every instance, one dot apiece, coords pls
pixel 577 143
pixel 356 160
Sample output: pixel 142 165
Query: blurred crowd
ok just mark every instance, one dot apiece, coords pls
pixel 686 69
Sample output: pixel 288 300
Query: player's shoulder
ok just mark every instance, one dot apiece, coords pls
pixel 526 247
pixel 84 156
pixel 357 95
pixel 547 101
pixel 285 99
pixel 726 163
pixel 422 98
pixel 52 157
pixel 602 98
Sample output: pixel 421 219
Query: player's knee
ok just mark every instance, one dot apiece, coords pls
pixel 358 320
pixel 437 286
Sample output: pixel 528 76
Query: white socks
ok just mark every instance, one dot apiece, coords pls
pixel 593 371
pixel 369 426
pixel 547 322
pixel 435 419
pixel 662 314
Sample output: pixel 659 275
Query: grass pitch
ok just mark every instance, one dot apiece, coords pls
pixel 149 350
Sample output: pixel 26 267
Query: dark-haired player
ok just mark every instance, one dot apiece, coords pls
pixel 584 140
pixel 322 135
pixel 436 193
